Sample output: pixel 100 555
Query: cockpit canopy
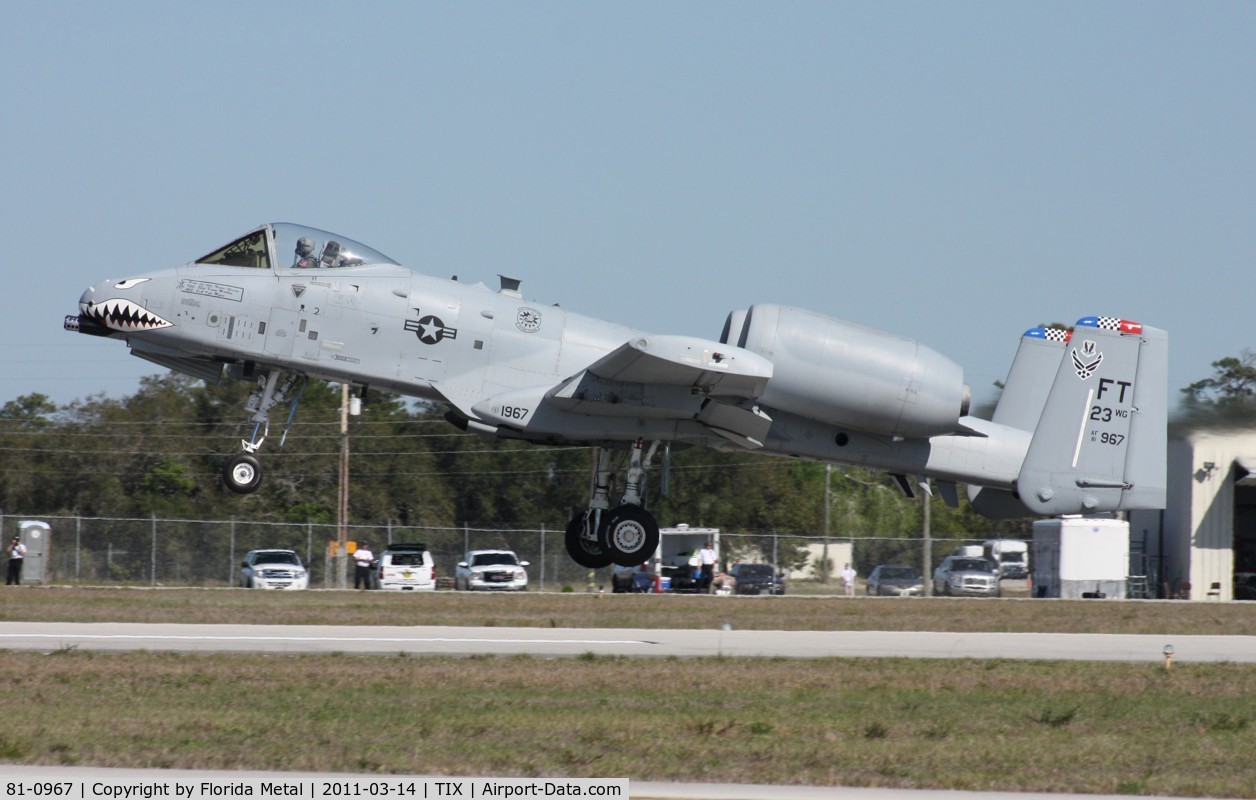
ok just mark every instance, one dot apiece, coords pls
pixel 283 245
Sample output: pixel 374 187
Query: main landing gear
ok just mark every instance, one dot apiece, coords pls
pixel 243 472
pixel 627 534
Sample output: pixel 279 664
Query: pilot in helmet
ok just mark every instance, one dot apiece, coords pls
pixel 305 251
pixel 331 254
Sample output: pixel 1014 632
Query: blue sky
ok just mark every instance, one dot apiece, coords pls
pixel 953 172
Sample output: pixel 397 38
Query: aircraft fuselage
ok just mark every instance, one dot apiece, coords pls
pixel 779 380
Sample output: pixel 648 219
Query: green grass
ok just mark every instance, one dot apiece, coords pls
pixel 1010 725
pixel 530 609
pixel 946 724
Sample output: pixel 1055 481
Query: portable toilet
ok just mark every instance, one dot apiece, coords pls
pixel 36 536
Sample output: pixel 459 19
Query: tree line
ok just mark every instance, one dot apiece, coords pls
pixel 159 452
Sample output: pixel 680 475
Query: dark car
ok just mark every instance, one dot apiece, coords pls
pixel 636 579
pixel 895 580
pixel 756 579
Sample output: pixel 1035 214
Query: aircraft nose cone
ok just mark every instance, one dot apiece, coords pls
pixel 87 299
pixel 114 305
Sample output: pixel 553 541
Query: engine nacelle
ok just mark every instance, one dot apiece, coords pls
pixel 851 376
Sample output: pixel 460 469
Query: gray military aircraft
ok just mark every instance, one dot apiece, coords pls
pixel 1080 426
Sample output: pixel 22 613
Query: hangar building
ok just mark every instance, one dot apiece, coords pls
pixel 1203 545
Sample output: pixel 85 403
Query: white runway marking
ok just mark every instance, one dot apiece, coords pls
pixel 345 639
pixel 452 641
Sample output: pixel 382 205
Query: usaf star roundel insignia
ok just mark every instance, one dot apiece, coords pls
pixel 431 330
pixel 528 320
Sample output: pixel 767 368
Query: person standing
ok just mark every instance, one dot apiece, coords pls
pixel 17 552
pixel 706 562
pixel 848 578
pixel 362 558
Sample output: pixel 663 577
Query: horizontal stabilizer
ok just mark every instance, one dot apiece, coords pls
pixel 997 503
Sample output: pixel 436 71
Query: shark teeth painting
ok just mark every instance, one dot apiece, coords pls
pixel 125 316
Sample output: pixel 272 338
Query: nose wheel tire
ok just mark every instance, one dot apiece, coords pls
pixel 243 474
pixel 629 535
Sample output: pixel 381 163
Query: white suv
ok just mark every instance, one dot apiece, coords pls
pixel 407 568
pixel 273 569
pixel 499 570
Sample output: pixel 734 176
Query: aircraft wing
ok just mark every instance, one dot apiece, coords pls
pixel 678 378
pixel 708 367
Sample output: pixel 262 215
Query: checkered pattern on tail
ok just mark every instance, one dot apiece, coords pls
pixel 1111 324
pixel 1056 334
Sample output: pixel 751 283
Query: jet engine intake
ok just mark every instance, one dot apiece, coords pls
pixel 851 376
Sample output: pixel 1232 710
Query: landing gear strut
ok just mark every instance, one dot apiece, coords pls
pixel 243 472
pixel 627 534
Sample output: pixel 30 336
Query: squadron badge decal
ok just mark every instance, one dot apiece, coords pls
pixel 528 320
pixel 1088 361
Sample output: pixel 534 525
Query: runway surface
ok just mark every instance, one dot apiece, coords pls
pixel 560 642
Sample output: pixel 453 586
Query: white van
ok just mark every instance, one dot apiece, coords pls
pixel 1012 556
pixel 407 568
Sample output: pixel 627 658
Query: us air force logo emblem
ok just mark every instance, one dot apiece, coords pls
pixel 1088 360
pixel 528 320
pixel 430 329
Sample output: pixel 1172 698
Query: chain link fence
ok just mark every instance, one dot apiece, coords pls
pixel 174 552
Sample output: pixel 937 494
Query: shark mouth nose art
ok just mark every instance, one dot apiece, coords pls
pixel 123 315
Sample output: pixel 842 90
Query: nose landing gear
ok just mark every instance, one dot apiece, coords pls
pixel 243 472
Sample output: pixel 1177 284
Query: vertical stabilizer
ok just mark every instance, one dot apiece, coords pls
pixel 1146 461
pixel 1020 405
pixel 1030 377
pixel 1100 441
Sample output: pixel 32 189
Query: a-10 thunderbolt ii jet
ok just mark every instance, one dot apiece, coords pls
pixel 1080 426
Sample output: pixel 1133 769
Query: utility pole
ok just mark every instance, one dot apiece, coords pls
pixel 342 507
pixel 928 548
pixel 824 574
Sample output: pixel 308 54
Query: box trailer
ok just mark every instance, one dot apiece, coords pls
pixel 676 558
pixel 1076 557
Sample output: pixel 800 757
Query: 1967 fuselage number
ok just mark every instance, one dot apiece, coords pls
pixel 514 412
